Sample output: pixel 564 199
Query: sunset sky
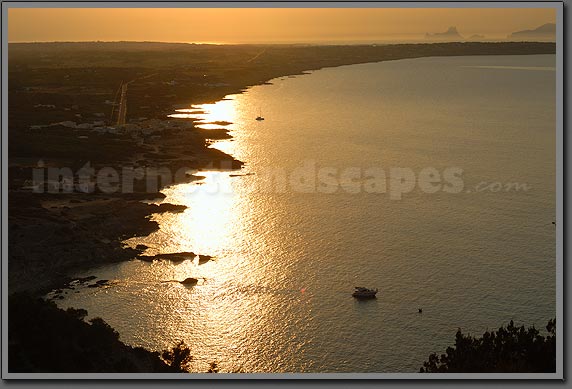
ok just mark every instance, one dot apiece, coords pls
pixel 254 25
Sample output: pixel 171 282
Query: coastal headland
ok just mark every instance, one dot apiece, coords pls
pixel 62 113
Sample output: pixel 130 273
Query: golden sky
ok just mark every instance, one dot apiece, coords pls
pixel 255 25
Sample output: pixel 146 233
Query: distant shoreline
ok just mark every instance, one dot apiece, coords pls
pixel 325 43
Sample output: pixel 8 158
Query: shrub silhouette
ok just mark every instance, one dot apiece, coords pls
pixel 178 358
pixel 509 350
pixel 213 367
pixel 44 338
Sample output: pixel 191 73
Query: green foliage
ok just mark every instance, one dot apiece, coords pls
pixel 509 350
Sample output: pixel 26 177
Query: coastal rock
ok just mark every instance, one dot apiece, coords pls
pixel 204 259
pixel 219 123
pixel 98 284
pixel 241 175
pixel 85 279
pixel 165 207
pixel 189 281
pixel 175 257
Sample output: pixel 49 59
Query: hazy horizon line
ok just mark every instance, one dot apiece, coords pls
pixel 315 43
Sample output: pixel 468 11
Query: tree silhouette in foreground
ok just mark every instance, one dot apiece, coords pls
pixel 178 358
pixel 508 350
pixel 45 339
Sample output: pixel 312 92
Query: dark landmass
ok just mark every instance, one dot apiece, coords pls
pixel 174 257
pixel 220 123
pixel 60 102
pixel 451 35
pixel 510 349
pixel 45 339
pixel 546 32
pixel 54 235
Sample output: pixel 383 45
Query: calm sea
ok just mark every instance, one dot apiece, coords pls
pixel 308 219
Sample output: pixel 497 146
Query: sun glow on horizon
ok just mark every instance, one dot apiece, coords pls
pixel 265 25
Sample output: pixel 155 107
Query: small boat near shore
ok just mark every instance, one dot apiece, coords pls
pixel 364 293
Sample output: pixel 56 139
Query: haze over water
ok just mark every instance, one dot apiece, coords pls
pixel 278 296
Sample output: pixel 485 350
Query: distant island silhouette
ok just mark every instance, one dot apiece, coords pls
pixel 545 32
pixel 450 35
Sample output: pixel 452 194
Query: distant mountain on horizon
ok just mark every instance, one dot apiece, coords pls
pixel 545 32
pixel 450 35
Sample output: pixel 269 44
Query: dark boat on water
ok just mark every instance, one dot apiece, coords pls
pixel 362 293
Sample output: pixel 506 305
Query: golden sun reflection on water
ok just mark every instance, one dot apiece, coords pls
pixel 206 226
pixel 209 224
pixel 220 115
pixel 223 110
pixel 277 296
pixel 220 317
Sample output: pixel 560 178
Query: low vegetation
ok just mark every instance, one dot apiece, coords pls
pixel 46 339
pixel 509 350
